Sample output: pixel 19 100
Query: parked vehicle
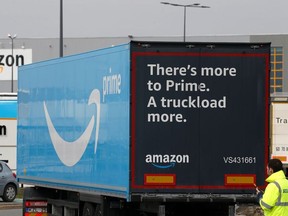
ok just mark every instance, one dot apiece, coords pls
pixel 144 128
pixel 8 183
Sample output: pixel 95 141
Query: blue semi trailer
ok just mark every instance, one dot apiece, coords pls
pixel 144 128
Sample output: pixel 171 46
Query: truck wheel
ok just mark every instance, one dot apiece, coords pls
pixel 97 211
pixel 88 209
pixel 9 193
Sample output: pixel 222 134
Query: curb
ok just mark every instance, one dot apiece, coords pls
pixel 11 205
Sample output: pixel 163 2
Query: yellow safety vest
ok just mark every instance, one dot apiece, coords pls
pixel 275 199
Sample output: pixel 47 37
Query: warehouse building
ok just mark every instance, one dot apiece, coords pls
pixel 17 51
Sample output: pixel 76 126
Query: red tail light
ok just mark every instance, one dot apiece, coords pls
pixel 14 174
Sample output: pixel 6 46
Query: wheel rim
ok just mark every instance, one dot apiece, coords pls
pixel 10 193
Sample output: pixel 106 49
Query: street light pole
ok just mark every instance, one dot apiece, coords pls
pixel 195 5
pixel 184 34
pixel 12 67
pixel 61 28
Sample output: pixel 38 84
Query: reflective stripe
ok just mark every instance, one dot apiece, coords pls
pixel 265 204
pixel 280 192
pixel 279 203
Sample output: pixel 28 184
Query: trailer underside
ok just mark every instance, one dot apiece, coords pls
pixel 55 202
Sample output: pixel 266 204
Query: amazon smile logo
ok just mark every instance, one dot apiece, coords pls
pixel 166 161
pixel 64 148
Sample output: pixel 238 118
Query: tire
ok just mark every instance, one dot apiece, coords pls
pixel 9 193
pixel 88 209
pixel 97 211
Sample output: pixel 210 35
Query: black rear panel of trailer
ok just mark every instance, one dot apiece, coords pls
pixel 199 117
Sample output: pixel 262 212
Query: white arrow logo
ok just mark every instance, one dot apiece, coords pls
pixel 71 152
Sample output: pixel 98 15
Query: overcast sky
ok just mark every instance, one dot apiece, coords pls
pixel 110 18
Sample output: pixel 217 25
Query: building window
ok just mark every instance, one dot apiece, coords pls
pixel 276 77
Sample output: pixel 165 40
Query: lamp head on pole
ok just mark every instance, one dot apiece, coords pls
pixel 12 37
pixel 196 5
